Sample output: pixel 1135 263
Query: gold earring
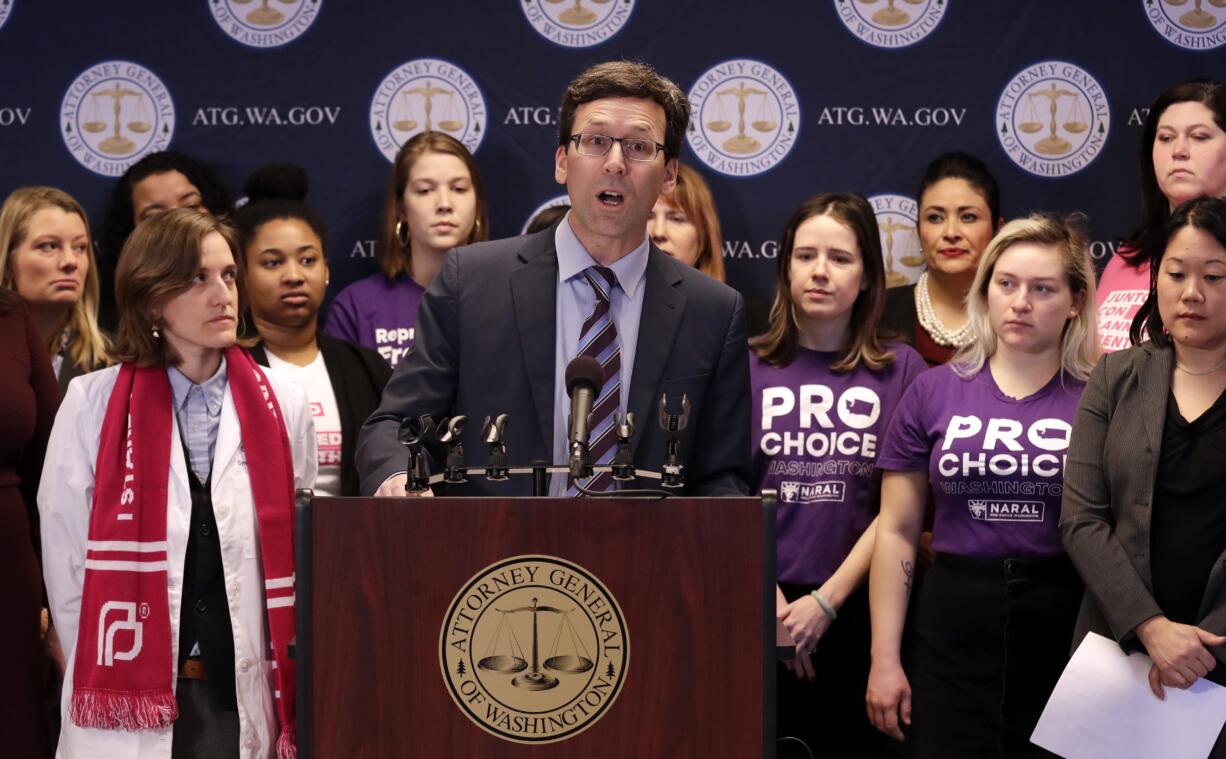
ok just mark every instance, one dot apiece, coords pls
pixel 402 234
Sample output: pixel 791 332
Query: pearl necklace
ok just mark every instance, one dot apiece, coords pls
pixel 948 338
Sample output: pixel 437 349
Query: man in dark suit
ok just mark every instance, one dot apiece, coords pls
pixel 502 320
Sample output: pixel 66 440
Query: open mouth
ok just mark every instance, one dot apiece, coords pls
pixel 611 198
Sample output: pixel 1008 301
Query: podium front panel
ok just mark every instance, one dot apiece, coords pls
pixel 606 627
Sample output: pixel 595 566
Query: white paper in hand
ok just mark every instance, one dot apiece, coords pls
pixel 1102 708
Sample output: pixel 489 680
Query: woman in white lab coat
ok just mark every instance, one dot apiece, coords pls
pixel 167 506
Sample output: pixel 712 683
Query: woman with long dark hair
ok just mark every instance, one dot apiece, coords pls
pixel 825 387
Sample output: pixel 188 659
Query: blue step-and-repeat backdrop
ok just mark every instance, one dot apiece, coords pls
pixel 790 98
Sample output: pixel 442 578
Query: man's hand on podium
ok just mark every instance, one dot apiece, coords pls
pixel 393 487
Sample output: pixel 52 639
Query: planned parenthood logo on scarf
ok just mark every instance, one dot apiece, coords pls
pixel 577 23
pixel 113 114
pixel 745 117
pixel 425 95
pixel 263 23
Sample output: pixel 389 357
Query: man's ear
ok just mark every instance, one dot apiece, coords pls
pixel 559 164
pixel 670 176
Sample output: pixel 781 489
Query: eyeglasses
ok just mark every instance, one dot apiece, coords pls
pixel 600 144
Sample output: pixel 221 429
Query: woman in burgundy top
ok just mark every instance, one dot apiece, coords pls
pixel 30 398
pixel 959 212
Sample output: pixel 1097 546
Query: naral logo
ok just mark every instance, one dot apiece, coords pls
pixel 107 655
pixel 745 117
pixel 811 492
pixel 424 95
pixel 900 245
pixel 534 649
pixel 113 114
pixel 264 24
pixel 1201 27
pixel 576 24
pixel 1006 511
pixel 554 202
pixel 890 24
pixel 1053 119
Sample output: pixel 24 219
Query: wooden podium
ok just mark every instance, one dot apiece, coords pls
pixel 653 635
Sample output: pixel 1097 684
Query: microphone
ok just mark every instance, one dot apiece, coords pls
pixel 584 378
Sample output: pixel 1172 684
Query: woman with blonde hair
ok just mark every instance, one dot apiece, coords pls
pixel 435 201
pixel 47 257
pixel 984 437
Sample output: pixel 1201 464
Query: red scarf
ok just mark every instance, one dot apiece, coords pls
pixel 124 671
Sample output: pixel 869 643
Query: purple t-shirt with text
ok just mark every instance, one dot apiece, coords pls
pixel 377 313
pixel 995 463
pixel 816 435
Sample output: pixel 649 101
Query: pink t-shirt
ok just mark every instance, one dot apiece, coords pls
pixel 1122 291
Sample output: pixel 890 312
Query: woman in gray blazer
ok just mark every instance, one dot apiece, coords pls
pixel 1142 516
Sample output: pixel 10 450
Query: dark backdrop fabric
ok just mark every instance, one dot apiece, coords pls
pixel 838 95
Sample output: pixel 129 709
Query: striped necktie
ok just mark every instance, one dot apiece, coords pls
pixel 599 340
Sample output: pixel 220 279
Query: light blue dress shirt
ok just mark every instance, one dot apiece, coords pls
pixel 575 300
pixel 198 411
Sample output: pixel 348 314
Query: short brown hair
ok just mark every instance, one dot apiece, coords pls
pixel 392 257
pixel 159 261
pixel 627 79
pixel 693 198
pixel 778 346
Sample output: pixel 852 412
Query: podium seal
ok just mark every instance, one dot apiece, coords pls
pixel 534 649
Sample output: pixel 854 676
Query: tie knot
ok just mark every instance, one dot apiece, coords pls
pixel 602 279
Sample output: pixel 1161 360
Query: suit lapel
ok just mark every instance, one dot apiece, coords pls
pixel 1155 379
pixel 663 307
pixel 534 293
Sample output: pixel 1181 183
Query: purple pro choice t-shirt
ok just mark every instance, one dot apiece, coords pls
pixel 377 313
pixel 995 463
pixel 816 435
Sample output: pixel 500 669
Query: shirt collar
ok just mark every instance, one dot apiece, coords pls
pixel 214 388
pixel 573 259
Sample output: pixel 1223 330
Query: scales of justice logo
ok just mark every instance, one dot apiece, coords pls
pixel 577 23
pixel 892 23
pixel 113 114
pixel 264 23
pixel 745 117
pixel 900 244
pixel 425 95
pixel 1053 118
pixel 1199 26
pixel 534 649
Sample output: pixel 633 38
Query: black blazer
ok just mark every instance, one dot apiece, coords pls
pixel 70 370
pixel 358 375
pixel 485 345
pixel 898 319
